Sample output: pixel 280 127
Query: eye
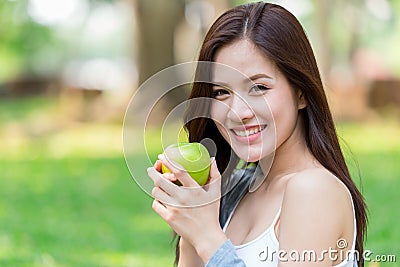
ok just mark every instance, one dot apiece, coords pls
pixel 220 93
pixel 258 89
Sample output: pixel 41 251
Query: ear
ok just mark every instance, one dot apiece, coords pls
pixel 302 103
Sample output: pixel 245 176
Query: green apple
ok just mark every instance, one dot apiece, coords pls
pixel 193 157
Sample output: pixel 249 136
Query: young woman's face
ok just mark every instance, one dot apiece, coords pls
pixel 256 112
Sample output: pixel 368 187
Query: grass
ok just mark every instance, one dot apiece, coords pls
pixel 67 198
pixel 373 154
pixel 77 212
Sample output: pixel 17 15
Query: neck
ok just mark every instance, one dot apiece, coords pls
pixel 291 156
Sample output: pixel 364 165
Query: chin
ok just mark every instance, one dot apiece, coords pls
pixel 255 154
pixel 249 157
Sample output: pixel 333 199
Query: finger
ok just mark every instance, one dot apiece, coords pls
pixel 157 165
pixel 160 209
pixel 179 172
pixel 215 175
pixel 161 196
pixel 159 181
pixel 214 182
pixel 169 176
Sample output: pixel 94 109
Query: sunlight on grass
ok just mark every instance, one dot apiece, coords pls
pixel 6 247
pixel 87 141
pixel 371 137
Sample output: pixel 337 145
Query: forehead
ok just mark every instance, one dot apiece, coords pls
pixel 243 59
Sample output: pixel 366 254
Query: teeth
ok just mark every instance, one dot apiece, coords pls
pixel 249 132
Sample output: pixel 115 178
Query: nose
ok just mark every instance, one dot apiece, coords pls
pixel 240 110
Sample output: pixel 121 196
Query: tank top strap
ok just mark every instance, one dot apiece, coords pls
pixel 272 225
pixel 278 214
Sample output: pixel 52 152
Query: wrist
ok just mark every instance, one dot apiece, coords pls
pixel 185 245
pixel 207 248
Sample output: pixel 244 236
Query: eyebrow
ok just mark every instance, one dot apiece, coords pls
pixel 252 78
pixel 215 83
pixel 258 76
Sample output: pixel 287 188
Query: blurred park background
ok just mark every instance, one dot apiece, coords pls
pixel 67 72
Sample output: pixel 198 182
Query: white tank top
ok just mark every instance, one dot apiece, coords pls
pixel 263 250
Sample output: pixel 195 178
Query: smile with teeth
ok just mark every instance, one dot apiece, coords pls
pixel 249 132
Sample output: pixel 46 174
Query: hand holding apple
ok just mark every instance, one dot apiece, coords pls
pixel 187 209
pixel 193 157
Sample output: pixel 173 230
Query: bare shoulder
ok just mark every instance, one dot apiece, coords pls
pixel 316 182
pixel 315 194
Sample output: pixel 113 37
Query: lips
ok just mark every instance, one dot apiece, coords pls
pixel 249 131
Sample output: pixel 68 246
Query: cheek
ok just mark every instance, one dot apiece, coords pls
pixel 262 110
pixel 219 111
pixel 223 132
pixel 218 115
pixel 285 118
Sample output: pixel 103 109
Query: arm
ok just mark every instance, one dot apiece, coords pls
pixel 312 217
pixel 188 256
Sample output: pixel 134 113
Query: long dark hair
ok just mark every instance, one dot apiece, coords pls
pixel 280 36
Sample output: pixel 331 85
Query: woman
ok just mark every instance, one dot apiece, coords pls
pixel 306 211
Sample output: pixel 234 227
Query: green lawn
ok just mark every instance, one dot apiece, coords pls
pixel 375 148
pixel 67 198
